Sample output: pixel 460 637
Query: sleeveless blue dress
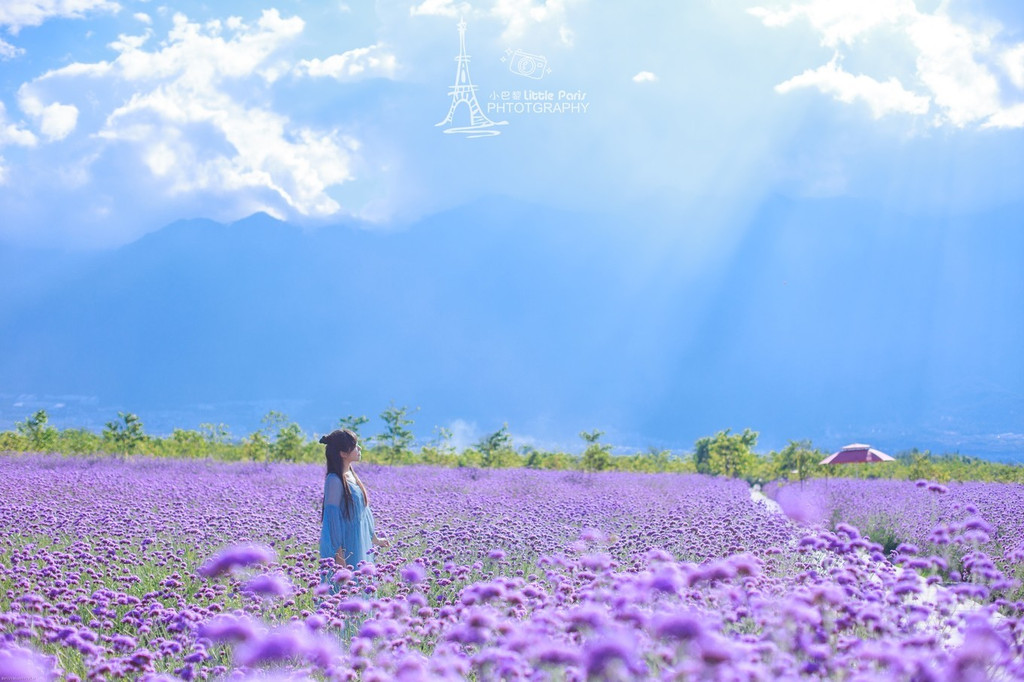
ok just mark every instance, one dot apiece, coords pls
pixel 354 533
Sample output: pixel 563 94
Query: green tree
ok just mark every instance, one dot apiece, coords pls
pixel 534 457
pixel 440 451
pixel 12 441
pixel 397 439
pixel 37 433
pixel 797 459
pixel 124 434
pixel 654 460
pixel 280 440
pixel 215 434
pixel 920 465
pixel 732 454
pixel 496 448
pixel 597 456
pixel 288 443
pixel 188 443
pixel 702 455
pixel 352 423
pixel 273 420
pixel 256 447
pixel 470 457
pixel 559 461
pixel 79 441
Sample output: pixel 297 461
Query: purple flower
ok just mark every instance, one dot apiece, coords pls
pixel 848 530
pixel 981 646
pixel 141 658
pixel 553 654
pixel 274 585
pixel 679 626
pixel 745 565
pixel 238 555
pixel 978 523
pixel 413 573
pixel 277 645
pixel 227 628
pixel 17 663
pixel 596 562
pixel 715 649
pixel 123 642
pixel 586 616
pixel 354 606
pixel 657 556
pixel 480 619
pixel 315 621
pixel 466 634
pixel 602 654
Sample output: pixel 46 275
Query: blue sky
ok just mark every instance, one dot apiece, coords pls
pixel 117 118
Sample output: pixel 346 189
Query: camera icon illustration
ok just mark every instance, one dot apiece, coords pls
pixel 525 64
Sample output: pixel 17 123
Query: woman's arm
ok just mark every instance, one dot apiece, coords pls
pixel 333 520
pixel 374 538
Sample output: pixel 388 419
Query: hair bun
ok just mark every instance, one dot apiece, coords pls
pixel 323 440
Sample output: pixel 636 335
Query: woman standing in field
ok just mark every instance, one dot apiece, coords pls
pixel 347 530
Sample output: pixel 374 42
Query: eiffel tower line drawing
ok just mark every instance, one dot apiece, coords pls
pixel 464 92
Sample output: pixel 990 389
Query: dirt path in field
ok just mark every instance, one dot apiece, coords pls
pixel 757 496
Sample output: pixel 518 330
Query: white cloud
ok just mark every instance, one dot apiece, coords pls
pixel 520 16
pixel 11 134
pixel 16 14
pixel 439 8
pixel 881 97
pixel 144 18
pixel 645 77
pixel 1013 62
pixel 839 21
pixel 200 55
pixel 8 51
pixel 951 67
pixel 199 119
pixel 56 120
pixel 964 90
pixel 464 434
pixel 1012 117
pixel 363 62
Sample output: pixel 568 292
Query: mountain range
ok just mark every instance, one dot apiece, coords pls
pixel 827 319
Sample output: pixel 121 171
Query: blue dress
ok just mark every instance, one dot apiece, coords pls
pixel 354 533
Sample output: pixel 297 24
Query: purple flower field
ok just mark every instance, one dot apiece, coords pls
pixel 164 570
pixel 976 529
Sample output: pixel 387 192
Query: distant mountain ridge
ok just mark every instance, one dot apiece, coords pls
pixel 819 321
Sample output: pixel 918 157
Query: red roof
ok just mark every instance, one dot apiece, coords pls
pixel 857 452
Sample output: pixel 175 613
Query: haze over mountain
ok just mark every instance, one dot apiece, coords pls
pixel 825 319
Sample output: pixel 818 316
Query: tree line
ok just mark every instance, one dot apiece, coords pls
pixel 281 440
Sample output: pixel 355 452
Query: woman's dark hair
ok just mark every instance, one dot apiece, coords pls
pixel 335 443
